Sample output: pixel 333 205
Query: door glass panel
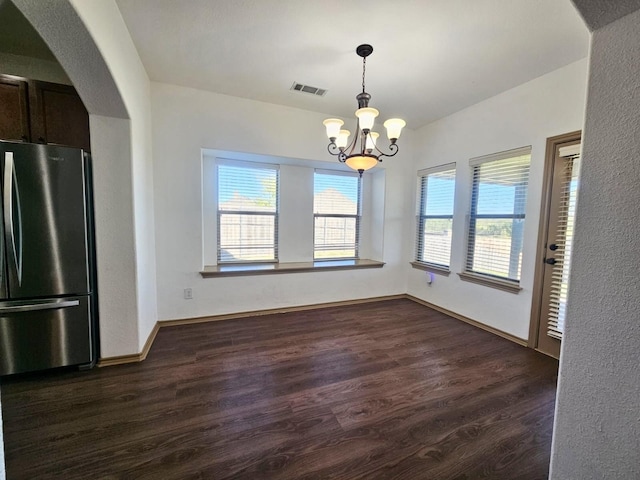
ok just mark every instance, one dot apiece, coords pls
pixel 563 247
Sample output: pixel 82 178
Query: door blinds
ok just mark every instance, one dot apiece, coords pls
pixel 563 246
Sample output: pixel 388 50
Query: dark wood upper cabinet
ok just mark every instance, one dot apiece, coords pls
pixel 58 115
pixel 42 112
pixel 14 109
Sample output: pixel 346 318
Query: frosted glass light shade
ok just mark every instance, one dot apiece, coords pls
pixel 343 138
pixel 361 162
pixel 371 140
pixel 367 116
pixel 333 126
pixel 394 127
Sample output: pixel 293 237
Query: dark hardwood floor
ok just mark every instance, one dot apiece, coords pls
pixel 385 390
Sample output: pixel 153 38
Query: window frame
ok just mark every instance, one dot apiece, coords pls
pixel 219 213
pixel 422 217
pixel 357 216
pixel 469 274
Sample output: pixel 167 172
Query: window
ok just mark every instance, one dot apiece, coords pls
pixel 496 221
pixel 435 215
pixel 247 212
pixel 336 208
pixel 258 216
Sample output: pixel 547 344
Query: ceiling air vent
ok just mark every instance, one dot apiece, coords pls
pixel 298 87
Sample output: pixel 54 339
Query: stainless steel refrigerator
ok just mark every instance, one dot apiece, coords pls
pixel 48 307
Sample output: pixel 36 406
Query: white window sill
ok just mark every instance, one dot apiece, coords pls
pixel 505 285
pixel 439 269
pixel 234 270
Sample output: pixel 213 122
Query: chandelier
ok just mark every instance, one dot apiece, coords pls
pixel 362 152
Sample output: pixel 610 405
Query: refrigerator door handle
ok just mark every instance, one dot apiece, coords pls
pixel 9 185
pixel 4 281
pixel 39 306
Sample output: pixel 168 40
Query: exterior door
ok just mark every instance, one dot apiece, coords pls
pixel 555 255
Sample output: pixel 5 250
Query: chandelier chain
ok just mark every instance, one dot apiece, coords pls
pixel 364 65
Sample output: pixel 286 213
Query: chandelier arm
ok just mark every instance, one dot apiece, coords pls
pixel 333 149
pixel 342 157
pixel 354 141
pixel 393 148
pixel 375 146
pixel 347 151
pixel 363 142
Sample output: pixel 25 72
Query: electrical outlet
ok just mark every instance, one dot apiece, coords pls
pixel 188 294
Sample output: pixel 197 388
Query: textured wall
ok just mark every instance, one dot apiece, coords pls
pixel 31 67
pixel 598 13
pixel 68 38
pixel 107 28
pixel 597 430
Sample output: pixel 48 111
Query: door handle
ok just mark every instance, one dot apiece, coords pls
pixel 39 306
pixel 550 261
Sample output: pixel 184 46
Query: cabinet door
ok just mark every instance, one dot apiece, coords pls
pixel 14 109
pixel 58 115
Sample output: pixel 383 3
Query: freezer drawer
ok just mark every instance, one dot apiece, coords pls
pixel 43 334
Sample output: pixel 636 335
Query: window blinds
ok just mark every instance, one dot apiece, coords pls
pixel 435 215
pixel 496 221
pixel 247 212
pixel 564 243
pixel 336 208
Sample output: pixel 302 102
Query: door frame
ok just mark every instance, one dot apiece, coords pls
pixel 543 231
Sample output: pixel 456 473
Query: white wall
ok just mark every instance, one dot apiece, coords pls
pixel 106 26
pixel 110 143
pixel 526 115
pixel 186 121
pixel 597 423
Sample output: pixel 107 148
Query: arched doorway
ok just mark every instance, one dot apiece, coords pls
pixel 60 26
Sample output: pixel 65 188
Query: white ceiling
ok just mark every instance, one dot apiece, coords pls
pixel 431 57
